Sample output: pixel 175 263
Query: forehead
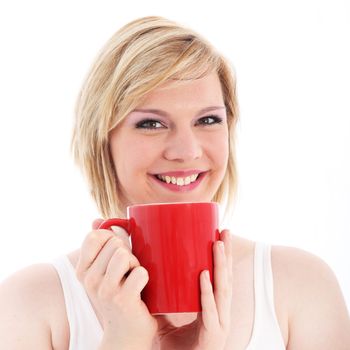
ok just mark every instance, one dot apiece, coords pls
pixel 194 93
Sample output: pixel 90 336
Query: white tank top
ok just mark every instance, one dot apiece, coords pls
pixel 86 331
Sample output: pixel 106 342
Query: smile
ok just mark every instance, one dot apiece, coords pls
pixel 180 181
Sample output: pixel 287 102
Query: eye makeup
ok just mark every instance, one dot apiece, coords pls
pixel 153 119
pixel 149 123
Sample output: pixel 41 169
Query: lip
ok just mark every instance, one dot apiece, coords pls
pixel 184 188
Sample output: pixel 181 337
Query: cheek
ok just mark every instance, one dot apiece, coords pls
pixel 132 157
pixel 219 149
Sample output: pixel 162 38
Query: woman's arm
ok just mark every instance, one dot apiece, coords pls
pixel 26 303
pixel 318 317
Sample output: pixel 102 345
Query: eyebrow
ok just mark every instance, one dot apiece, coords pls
pixel 166 114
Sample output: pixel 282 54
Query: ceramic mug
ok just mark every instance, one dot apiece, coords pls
pixel 174 243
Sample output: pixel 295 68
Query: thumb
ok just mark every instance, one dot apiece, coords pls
pixel 118 231
pixel 96 223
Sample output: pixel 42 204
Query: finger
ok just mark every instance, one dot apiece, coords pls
pixel 99 265
pixel 122 234
pixel 96 223
pixel 226 237
pixel 119 231
pixel 210 316
pixel 136 281
pixel 119 265
pixel 222 290
pixel 220 266
pixel 90 248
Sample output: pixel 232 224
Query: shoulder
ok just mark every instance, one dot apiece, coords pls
pixel 294 268
pixel 31 286
pixel 309 292
pixel 31 301
pixel 298 265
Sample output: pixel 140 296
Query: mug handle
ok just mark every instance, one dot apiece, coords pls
pixel 123 223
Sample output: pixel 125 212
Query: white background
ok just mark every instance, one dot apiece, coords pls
pixel 292 60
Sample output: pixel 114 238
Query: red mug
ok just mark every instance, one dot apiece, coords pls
pixel 174 243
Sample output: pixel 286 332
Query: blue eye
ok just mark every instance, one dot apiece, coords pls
pixel 209 120
pixel 149 124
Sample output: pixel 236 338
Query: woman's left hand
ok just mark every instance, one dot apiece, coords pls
pixel 211 328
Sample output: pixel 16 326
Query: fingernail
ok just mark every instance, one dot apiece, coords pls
pixel 206 275
pixel 221 246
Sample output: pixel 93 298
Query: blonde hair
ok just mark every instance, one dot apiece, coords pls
pixel 138 58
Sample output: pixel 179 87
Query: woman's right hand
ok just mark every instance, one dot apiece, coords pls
pixel 114 279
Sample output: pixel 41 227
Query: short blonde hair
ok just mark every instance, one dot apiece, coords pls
pixel 138 58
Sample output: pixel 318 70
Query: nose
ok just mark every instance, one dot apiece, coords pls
pixel 183 146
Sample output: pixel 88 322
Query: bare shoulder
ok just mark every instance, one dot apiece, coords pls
pixel 312 298
pixel 29 303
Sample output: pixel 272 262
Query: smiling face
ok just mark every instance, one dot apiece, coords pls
pixel 174 146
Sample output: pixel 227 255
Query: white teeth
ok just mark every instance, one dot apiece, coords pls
pixel 179 181
pixel 187 180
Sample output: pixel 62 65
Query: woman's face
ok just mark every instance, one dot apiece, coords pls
pixel 174 146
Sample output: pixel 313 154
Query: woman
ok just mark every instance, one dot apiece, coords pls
pixel 159 105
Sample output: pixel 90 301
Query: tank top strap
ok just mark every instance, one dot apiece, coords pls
pixel 266 332
pixel 85 329
pixel 263 281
